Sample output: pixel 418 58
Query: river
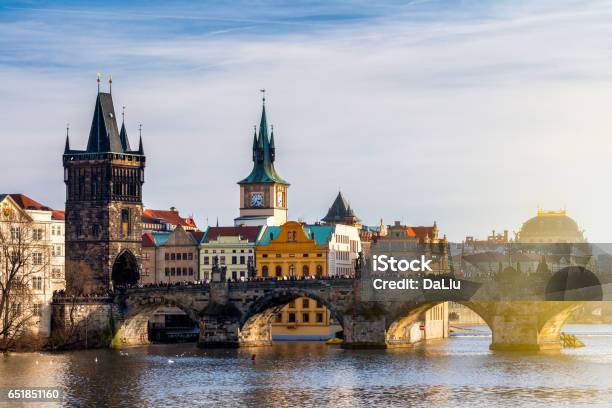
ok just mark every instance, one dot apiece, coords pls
pixel 459 371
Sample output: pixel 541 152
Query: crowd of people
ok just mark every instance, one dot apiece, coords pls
pixel 198 283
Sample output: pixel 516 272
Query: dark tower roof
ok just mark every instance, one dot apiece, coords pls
pixel 263 157
pixel 104 135
pixel 340 211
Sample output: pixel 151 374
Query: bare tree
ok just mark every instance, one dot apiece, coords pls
pixel 23 259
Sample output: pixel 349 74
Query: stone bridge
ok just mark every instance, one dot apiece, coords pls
pixel 233 314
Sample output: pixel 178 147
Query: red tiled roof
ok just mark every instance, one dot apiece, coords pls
pixel 27 203
pixel 147 240
pixel 423 232
pixel 197 235
pixel 167 216
pixel 58 215
pixel 248 233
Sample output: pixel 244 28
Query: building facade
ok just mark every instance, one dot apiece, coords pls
pixel 263 193
pixel 43 247
pixel 233 247
pixel 103 205
pixel 170 256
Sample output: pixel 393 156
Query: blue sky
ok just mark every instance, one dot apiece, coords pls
pixel 468 113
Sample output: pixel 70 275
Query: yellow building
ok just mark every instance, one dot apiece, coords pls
pixel 296 250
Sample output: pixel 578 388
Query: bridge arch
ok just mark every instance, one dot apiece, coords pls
pixel 138 308
pixel 255 328
pixel 400 331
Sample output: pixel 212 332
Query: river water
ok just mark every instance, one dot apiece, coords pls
pixel 459 371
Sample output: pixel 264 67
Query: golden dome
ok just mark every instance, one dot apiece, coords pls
pixel 550 226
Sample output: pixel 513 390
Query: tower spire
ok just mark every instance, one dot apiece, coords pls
pixel 67 147
pixel 98 81
pixel 110 83
pixel 140 147
pixel 123 137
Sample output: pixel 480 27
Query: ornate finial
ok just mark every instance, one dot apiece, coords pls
pixel 263 96
pixel 98 80
pixel 110 83
pixel 67 129
pixel 123 113
pixel 140 130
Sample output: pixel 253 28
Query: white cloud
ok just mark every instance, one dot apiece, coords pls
pixel 471 118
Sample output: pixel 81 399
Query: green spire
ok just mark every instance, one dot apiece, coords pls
pixel 263 155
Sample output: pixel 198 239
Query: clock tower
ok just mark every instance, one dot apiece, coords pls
pixel 263 194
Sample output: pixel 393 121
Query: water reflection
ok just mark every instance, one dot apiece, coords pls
pixel 455 372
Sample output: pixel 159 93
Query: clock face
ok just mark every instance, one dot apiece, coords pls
pixel 279 199
pixel 257 200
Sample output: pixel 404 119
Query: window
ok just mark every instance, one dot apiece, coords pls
pixel 167 256
pixel 319 317
pixel 291 270
pixel 319 270
pixel 234 260
pixel 206 261
pixel 292 304
pixel 278 318
pixel 305 303
pixel 319 305
pixel 305 270
pixel 185 271
pixel 242 260
pixel 305 255
pixel 305 317
pixel 172 271
pixel 167 271
pixel 190 256
pixel 319 255
pixel 37 283
pixel 278 270
pixel 56 272
pixel 222 260
pixel 126 223
pixel 264 271
pixel 291 318
pixel 264 256
pixel 37 258
pixel 37 309
pixel 173 256
pixel 57 250
pixel 15 233
pixel 37 234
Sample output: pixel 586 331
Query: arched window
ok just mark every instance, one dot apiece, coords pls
pixel 264 271
pixel 319 270
pixel 279 270
pixel 305 270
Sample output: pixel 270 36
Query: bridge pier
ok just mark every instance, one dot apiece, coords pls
pixel 219 332
pixel 528 326
pixel 364 332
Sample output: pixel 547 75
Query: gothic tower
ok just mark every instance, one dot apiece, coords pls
pixel 103 205
pixel 263 194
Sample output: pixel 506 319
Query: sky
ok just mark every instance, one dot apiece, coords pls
pixel 470 113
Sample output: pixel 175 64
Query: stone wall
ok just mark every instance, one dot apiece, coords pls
pixel 82 323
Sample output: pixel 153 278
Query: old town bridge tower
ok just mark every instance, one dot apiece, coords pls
pixel 103 205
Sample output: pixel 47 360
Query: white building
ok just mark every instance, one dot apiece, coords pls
pixel 46 227
pixel 344 248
